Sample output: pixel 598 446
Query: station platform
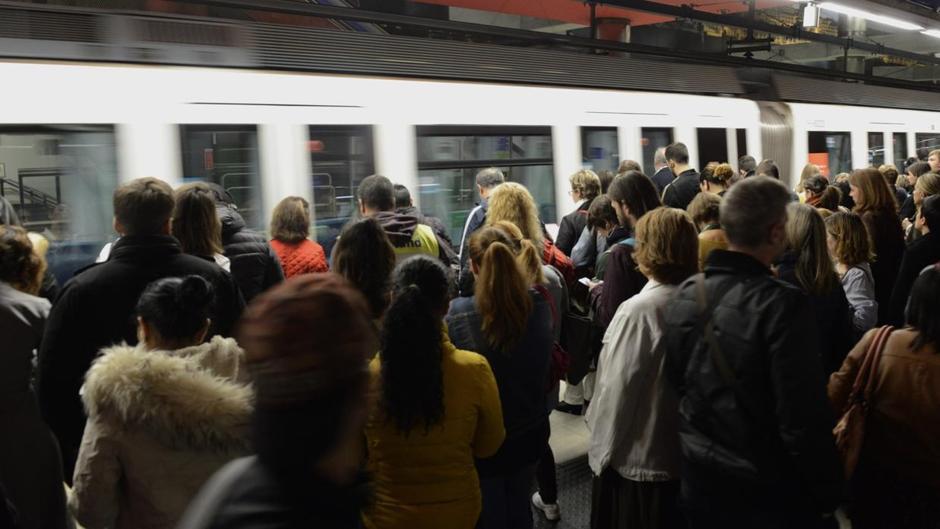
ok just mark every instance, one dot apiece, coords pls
pixel 570 438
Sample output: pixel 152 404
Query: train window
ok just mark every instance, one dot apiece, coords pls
pixel 712 146
pixel 652 139
pixel 876 148
pixel 226 155
pixel 340 157
pixel 831 151
pixel 900 149
pixel 59 181
pixel 450 156
pixel 741 138
pixel 927 140
pixel 599 151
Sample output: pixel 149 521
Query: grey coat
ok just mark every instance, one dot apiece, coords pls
pixel 30 468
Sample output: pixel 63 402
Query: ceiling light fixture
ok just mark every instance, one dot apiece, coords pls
pixel 932 33
pixel 836 7
pixel 810 15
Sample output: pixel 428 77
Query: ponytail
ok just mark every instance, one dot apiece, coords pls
pixel 501 291
pixel 530 260
pixel 412 376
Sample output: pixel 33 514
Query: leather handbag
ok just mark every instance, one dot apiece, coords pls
pixel 850 430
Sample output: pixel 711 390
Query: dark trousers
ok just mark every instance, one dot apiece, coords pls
pixel 545 475
pixel 506 500
pixel 619 503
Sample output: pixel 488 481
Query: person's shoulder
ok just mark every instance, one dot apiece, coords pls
pixel 462 305
pixel 27 303
pixel 469 360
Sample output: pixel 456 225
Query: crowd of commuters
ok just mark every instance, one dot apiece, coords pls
pixel 710 326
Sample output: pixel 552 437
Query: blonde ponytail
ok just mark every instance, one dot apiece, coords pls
pixel 501 289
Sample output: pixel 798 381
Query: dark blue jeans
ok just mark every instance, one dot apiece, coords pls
pixel 506 500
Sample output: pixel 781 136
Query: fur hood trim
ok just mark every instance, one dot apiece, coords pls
pixel 188 398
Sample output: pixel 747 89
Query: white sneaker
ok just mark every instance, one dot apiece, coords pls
pixel 550 510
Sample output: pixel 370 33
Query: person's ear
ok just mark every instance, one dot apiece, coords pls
pixel 144 332
pixel 362 209
pixel 474 269
pixel 167 228
pixel 777 236
pixel 201 336
pixel 118 227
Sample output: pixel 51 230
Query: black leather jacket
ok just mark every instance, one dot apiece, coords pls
pixel 765 447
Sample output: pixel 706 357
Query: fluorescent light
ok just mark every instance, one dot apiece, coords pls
pixel 881 19
pixel 810 16
pixel 932 33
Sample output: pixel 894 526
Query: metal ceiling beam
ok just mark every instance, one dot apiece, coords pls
pixel 742 21
pixel 536 37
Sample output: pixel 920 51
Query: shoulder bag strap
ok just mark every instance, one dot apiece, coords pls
pixel 541 289
pixel 864 384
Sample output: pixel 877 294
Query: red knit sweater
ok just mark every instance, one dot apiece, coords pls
pixel 304 257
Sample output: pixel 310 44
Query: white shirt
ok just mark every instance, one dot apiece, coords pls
pixel 634 416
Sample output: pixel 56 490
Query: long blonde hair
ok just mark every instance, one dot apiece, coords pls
pixel 512 202
pixel 527 255
pixel 501 289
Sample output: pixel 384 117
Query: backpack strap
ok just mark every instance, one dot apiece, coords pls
pixel 541 289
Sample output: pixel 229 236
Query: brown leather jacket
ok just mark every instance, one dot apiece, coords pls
pixel 902 432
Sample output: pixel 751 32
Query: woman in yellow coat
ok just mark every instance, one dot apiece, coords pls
pixel 437 408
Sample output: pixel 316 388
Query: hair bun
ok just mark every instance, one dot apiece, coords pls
pixel 194 290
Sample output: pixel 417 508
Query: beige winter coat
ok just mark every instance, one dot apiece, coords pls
pixel 160 423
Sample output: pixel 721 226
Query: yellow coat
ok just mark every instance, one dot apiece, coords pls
pixel 428 480
pixel 710 240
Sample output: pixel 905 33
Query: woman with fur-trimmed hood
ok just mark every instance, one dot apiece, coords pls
pixel 162 416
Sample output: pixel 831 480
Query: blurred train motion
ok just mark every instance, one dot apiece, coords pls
pixel 70 130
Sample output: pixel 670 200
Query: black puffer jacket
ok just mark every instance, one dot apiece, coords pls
pixel 255 266
pixel 764 455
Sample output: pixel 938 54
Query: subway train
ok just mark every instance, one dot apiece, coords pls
pixel 72 128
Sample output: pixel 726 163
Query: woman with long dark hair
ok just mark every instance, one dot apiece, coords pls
pixel 196 226
pixel 897 481
pixel 364 255
pixel 876 204
pixel 510 324
pixel 807 265
pixel 438 409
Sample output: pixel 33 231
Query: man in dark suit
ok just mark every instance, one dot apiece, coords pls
pixel 663 176
pixel 683 189
pixel 96 308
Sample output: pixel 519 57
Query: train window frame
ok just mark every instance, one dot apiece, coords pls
pixel 464 170
pixel 648 151
pixel 259 213
pixel 740 137
pixel 875 160
pixel 587 159
pixel 900 155
pixel 845 162
pixel 720 136
pixel 326 228
pixel 70 249
pixel 921 137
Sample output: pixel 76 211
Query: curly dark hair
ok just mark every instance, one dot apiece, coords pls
pixel 20 266
pixel 411 354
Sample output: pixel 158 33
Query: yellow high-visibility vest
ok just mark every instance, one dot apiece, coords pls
pixel 423 242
